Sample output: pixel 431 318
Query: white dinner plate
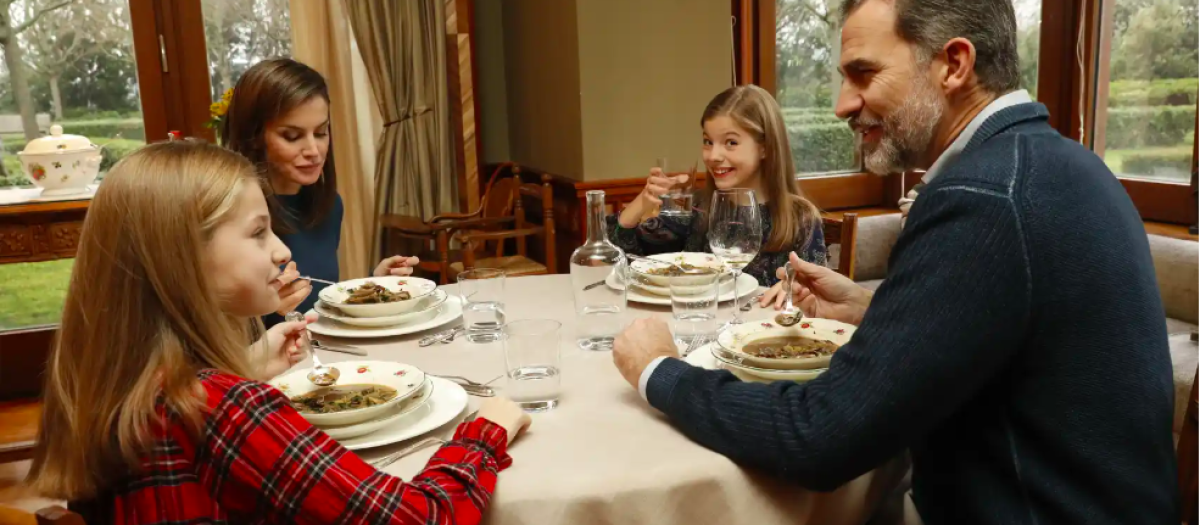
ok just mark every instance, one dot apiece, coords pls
pixel 423 312
pixel 747 285
pixel 447 402
pixel 449 311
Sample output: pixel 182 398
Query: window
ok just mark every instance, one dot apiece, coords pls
pixel 240 33
pixel 1146 128
pixel 807 42
pixel 77 69
pixel 116 71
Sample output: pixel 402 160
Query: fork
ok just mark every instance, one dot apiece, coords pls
pixel 395 456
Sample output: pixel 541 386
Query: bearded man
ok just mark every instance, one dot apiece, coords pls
pixel 1018 345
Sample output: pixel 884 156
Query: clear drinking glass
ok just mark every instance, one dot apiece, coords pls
pixel 694 305
pixel 735 234
pixel 596 267
pixel 531 359
pixel 678 199
pixel 482 291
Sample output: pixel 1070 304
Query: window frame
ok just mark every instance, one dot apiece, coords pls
pixel 754 58
pixel 173 87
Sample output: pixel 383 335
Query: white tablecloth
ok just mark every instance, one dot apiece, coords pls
pixel 604 455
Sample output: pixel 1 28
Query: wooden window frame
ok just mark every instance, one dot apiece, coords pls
pixel 173 87
pixel 754 57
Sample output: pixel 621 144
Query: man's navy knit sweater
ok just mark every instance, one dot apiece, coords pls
pixel 1018 347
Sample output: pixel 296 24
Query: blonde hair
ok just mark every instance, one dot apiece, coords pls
pixel 756 111
pixel 140 318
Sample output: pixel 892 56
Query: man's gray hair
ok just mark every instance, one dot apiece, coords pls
pixel 990 25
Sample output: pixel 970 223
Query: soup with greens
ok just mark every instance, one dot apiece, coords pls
pixel 342 397
pixel 371 293
pixel 790 348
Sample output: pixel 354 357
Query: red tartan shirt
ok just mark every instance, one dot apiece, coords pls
pixel 260 461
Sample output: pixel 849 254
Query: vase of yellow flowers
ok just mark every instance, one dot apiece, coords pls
pixel 216 112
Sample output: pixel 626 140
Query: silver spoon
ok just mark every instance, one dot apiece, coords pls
pixel 790 315
pixel 320 374
pixel 314 279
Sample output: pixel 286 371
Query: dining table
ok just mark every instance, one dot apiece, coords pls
pixel 604 455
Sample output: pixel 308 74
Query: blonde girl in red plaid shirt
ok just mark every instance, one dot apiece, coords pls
pixel 153 412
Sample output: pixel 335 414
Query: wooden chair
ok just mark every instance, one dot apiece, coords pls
pixel 56 515
pixel 19 422
pixel 519 264
pixel 1186 456
pixel 844 233
pixel 494 211
pixel 52 515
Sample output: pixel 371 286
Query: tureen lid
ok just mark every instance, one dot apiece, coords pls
pixel 58 142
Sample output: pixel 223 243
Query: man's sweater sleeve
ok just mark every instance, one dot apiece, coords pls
pixel 947 319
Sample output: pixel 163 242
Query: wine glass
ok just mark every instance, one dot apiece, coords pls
pixel 735 233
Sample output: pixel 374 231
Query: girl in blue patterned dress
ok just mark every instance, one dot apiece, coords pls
pixel 745 146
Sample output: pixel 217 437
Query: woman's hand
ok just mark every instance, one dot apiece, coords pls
pixel 294 290
pixel 508 415
pixel 281 346
pixel 657 184
pixel 396 265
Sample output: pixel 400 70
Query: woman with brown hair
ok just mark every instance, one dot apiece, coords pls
pixel 279 119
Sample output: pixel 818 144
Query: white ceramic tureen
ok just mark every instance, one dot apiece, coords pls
pixel 61 164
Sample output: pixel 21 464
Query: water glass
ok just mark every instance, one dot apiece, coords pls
pixel 678 199
pixel 532 363
pixel 482 291
pixel 694 299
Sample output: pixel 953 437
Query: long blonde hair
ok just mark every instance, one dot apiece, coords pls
pixel 140 318
pixel 756 111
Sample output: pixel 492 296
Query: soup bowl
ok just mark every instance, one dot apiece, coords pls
pixel 406 380
pixel 740 341
pixel 662 275
pixel 416 287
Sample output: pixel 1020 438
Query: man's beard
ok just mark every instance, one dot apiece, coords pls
pixel 907 132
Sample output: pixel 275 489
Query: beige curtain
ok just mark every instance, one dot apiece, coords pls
pixel 403 45
pixel 321 38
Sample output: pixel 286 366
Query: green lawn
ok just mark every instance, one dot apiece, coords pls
pixel 1115 158
pixel 32 294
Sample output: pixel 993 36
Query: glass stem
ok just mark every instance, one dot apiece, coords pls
pixel 737 306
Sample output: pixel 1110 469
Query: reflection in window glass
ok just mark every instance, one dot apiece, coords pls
pixel 1150 120
pixel 78 70
pixel 807 41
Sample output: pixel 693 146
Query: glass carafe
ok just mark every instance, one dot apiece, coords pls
pixel 597 270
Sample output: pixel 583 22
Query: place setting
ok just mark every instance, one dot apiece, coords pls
pixel 379 307
pixel 373 403
pixel 649 279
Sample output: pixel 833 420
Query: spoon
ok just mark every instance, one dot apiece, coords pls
pixel 790 315
pixel 314 279
pixel 320 374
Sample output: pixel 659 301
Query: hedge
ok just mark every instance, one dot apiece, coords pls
pixel 1163 92
pixel 822 147
pixel 131 129
pixel 1138 127
pixel 1145 163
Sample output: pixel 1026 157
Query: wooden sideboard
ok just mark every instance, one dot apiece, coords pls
pixel 40 231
